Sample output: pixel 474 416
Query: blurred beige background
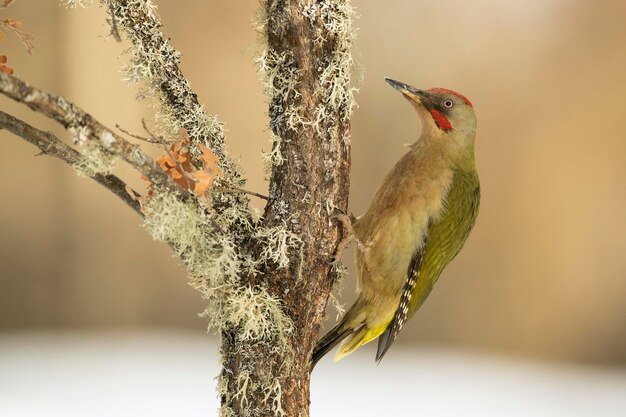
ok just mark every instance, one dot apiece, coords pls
pixel 544 273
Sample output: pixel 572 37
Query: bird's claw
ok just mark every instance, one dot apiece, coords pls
pixel 342 216
pixel 346 221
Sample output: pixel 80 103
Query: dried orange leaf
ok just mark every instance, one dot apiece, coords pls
pixel 175 174
pixel 209 160
pixel 6 70
pixel 3 67
pixel 177 165
pixel 203 181
pixel 165 162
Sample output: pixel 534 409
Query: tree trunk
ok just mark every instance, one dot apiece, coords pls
pixel 266 282
pixel 308 51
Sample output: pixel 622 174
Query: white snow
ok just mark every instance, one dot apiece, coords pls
pixel 172 374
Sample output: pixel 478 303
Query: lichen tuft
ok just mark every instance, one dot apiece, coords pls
pixel 276 243
pixel 168 219
pixel 72 4
pixel 94 160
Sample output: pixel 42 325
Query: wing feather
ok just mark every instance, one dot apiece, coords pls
pixel 389 336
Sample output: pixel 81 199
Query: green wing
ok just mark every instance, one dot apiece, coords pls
pixel 446 236
pixel 402 312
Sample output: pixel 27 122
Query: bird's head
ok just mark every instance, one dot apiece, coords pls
pixel 443 112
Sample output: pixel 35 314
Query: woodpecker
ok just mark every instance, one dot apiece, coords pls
pixel 415 225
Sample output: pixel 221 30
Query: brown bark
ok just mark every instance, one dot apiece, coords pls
pixel 314 176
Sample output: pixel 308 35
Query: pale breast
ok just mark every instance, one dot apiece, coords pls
pixel 396 231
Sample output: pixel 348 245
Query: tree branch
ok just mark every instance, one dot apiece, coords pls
pixel 50 145
pixel 155 62
pixel 84 127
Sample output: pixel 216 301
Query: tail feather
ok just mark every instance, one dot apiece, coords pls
pixel 329 341
pixel 352 327
pixel 362 336
pixel 383 344
pixel 358 339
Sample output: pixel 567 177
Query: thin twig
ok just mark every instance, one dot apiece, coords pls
pixel 158 140
pixel 114 30
pixel 51 145
pixel 133 135
pixel 82 125
pixel 231 189
pixel 154 138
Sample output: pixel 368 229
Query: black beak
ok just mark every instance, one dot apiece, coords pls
pixel 410 92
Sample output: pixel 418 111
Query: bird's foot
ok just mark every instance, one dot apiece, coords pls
pixel 343 217
pixel 346 220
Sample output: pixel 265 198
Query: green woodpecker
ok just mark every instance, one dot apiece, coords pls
pixel 416 224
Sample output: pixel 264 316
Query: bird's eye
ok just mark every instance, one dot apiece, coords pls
pixel 448 103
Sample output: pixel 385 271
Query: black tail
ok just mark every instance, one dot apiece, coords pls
pixel 329 341
pixel 383 344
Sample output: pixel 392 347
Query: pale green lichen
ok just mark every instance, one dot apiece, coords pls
pixel 279 74
pixel 339 74
pixel 280 78
pixel 242 381
pixel 94 160
pixel 248 382
pixel 226 411
pixel 253 313
pixel 209 256
pixel 246 219
pixel 244 387
pixel 335 84
pixel 336 77
pixel 276 243
pixel 214 263
pixel 273 396
pixel 72 4
pixel 168 219
pixel 275 156
pixel 80 133
pixel 340 271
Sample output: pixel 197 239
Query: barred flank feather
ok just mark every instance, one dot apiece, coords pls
pixel 386 339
